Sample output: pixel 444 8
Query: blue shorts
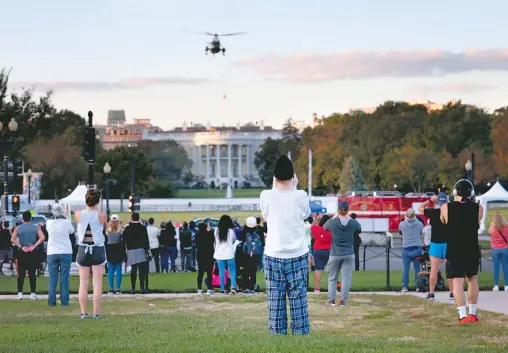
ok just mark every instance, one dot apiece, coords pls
pixel 437 250
pixel 321 259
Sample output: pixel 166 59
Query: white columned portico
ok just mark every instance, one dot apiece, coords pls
pixel 230 162
pixel 200 172
pixel 239 160
pixel 248 152
pixel 217 168
pixel 208 170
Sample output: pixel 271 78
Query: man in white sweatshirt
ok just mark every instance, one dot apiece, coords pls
pixel 285 209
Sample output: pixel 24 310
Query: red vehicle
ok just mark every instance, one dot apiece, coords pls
pixel 385 209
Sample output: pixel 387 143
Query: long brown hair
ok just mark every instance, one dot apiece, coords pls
pixel 114 226
pixel 498 221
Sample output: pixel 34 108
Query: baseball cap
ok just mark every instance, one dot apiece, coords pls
pixel 442 198
pixel 410 213
pixel 163 224
pixel 251 222
pixel 343 205
pixel 115 217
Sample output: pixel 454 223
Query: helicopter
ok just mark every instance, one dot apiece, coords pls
pixel 215 47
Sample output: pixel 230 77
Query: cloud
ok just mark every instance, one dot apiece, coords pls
pixel 131 83
pixel 456 87
pixel 302 68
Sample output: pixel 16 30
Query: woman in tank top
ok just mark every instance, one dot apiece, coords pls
pixel 91 251
pixel 115 249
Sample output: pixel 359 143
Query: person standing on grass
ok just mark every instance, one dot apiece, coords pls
pixel 251 248
pixel 193 230
pixel 224 253
pixel 358 242
pixel 186 247
pixel 5 245
pixel 27 237
pixel 411 230
pixel 60 231
pixel 463 217
pixel 115 249
pixel 499 249
pixel 204 245
pixel 136 241
pixel 438 235
pixel 261 228
pixel 285 210
pixel 342 258
pixel 322 245
pixel 153 237
pixel 91 251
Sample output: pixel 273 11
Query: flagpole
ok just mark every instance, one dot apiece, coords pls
pixel 310 172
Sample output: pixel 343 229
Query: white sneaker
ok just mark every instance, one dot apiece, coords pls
pixel 20 296
pixel 404 290
pixel 33 296
pixel 496 289
pixel 200 292
pixel 210 292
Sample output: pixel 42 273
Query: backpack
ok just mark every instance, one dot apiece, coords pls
pixel 252 245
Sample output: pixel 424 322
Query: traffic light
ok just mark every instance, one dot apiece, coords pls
pixel 131 203
pixel 89 144
pixel 15 203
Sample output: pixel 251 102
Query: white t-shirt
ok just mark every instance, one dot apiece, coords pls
pixel 308 233
pixel 427 234
pixel 153 236
pixel 224 250
pixel 58 236
pixel 285 212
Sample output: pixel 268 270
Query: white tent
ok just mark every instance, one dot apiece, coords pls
pixel 496 193
pixel 77 197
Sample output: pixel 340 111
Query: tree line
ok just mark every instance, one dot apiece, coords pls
pixel 398 144
pixel 50 141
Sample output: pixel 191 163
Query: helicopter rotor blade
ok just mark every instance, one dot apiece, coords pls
pixel 204 33
pixel 231 34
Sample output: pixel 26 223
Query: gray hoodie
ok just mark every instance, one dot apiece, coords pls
pixel 411 230
pixel 343 235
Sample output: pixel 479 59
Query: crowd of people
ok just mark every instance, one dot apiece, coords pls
pixel 286 242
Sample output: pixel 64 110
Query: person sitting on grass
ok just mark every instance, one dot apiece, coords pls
pixel 286 260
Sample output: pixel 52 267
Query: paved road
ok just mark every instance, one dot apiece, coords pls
pixel 488 301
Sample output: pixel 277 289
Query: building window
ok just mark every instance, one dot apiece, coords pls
pixel 203 151
pixel 203 168
pixel 244 151
pixel 223 151
pixel 235 150
pixel 224 170
pixel 213 170
pixel 235 169
pixel 212 151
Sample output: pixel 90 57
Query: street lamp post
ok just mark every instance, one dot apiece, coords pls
pixel 6 142
pixel 29 177
pixel 469 168
pixel 107 172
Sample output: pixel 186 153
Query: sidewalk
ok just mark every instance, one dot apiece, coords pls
pixel 489 301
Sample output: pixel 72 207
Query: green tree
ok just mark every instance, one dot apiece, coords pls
pixel 265 160
pixel 290 140
pixel 168 158
pixel 119 159
pixel 351 177
pixel 60 162
pixel 159 189
pixel 408 165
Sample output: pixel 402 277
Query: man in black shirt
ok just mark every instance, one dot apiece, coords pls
pixel 462 218
pixel 438 241
pixel 5 245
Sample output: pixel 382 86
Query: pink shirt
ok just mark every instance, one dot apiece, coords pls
pixel 496 240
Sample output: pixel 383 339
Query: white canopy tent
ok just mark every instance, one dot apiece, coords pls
pixel 496 193
pixel 76 200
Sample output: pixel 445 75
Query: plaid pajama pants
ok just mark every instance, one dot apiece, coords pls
pixel 287 276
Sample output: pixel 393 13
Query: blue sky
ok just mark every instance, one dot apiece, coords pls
pixel 297 58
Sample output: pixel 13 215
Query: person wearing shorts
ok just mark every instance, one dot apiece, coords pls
pixel 322 245
pixel 91 251
pixel 462 218
pixel 438 241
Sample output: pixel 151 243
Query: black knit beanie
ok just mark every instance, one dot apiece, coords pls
pixel 283 169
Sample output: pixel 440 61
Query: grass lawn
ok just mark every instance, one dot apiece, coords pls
pixel 240 324
pixel 216 193
pixel 186 282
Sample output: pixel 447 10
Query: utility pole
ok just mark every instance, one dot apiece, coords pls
pixel 89 149
pixel 310 172
pixel 472 168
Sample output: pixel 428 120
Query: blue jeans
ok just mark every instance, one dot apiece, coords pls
pixel 112 268
pixel 59 263
pixel 168 252
pixel 232 272
pixel 408 255
pixel 500 256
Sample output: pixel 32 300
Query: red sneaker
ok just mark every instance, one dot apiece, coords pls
pixel 465 320
pixel 472 318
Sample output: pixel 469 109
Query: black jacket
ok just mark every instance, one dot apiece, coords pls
pixel 135 236
pixel 205 242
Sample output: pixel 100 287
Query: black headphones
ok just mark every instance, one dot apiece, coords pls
pixel 470 183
